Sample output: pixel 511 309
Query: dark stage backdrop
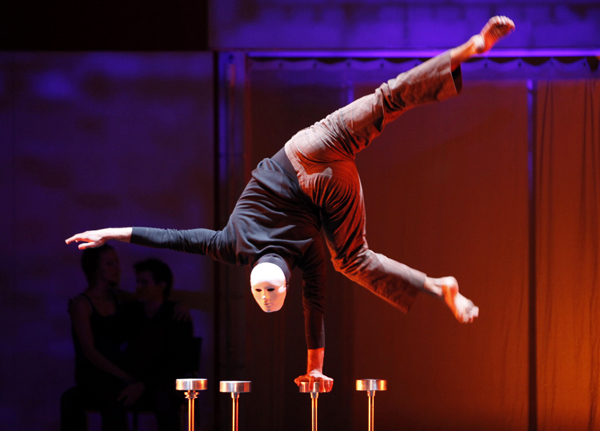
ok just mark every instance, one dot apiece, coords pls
pixel 92 140
pixel 447 192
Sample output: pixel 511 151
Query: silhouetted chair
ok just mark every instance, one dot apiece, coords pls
pixel 72 397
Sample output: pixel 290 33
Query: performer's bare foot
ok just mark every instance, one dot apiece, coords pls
pixel 447 288
pixel 496 28
pixel 463 309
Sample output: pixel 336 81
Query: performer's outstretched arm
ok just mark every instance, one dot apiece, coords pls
pixel 96 238
pixel 194 241
pixel 198 241
pixel 313 266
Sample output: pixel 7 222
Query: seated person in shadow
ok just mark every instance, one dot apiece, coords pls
pixel 160 348
pixel 100 325
pixel 97 327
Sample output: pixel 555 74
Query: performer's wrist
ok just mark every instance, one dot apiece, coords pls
pixel 122 234
pixel 315 360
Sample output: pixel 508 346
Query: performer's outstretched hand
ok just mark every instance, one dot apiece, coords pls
pixel 96 238
pixel 325 383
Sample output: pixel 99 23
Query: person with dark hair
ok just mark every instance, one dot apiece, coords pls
pixel 98 333
pixel 155 271
pixel 312 185
pixel 160 348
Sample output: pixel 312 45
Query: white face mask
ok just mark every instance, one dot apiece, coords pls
pixel 268 286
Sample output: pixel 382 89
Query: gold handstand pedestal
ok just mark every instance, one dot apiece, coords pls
pixel 371 386
pixel 305 388
pixel 235 388
pixel 191 388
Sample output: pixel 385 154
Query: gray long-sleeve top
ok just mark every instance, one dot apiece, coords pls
pixel 273 221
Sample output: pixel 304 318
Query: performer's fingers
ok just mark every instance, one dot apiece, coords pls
pixel 298 380
pixel 80 237
pixel 85 245
pixel 86 240
pixel 71 239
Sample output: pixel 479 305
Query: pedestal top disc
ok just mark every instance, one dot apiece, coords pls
pixel 234 386
pixel 371 385
pixel 305 387
pixel 191 384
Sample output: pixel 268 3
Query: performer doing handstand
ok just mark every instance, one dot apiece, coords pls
pixel 312 185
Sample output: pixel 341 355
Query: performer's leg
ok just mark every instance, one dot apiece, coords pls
pixel 351 129
pixel 344 226
pixel 323 157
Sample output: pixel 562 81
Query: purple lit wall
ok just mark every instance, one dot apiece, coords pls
pixel 376 24
pixel 92 140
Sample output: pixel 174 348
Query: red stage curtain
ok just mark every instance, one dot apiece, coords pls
pixel 568 254
pixel 446 192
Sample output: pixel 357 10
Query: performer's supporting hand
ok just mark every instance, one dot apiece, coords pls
pixel 96 238
pixel 316 376
pixel 314 371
